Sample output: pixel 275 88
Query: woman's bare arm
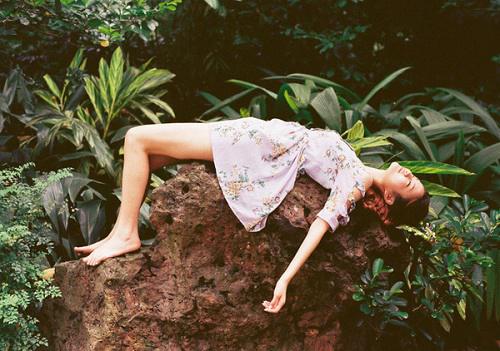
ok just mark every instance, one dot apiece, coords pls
pixel 316 231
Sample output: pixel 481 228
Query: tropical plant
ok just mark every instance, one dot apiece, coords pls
pixel 119 88
pixel 377 300
pixel 77 214
pixel 417 130
pixel 92 122
pixel 24 242
pixel 452 274
pixel 16 101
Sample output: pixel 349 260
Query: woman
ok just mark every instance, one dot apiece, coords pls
pixel 257 162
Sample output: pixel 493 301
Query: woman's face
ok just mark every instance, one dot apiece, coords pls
pixel 399 180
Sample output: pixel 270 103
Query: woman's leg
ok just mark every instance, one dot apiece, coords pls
pixel 174 140
pixel 155 162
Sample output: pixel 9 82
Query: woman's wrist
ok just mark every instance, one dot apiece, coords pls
pixel 285 279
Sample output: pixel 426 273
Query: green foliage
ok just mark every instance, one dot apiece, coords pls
pixel 437 127
pixel 16 101
pixel 93 112
pixel 451 274
pixel 23 246
pixel 76 211
pixel 117 87
pixel 101 22
pixel 79 131
pixel 376 298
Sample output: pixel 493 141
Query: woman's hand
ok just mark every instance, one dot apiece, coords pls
pixel 279 298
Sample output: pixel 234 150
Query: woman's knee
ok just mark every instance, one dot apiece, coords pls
pixel 135 135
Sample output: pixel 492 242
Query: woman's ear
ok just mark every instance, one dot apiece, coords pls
pixel 388 197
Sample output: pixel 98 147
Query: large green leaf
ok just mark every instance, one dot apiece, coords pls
pixel 446 129
pixel 341 90
pixel 91 217
pixel 52 86
pixel 75 184
pixel 47 97
pixel 459 156
pixel 258 106
pixel 102 86
pixel 488 120
pixel 480 161
pixel 55 207
pixel 115 73
pixel 91 89
pixel 160 103
pixel 328 108
pixel 368 142
pixel 227 110
pixel 101 150
pixel 438 190
pixel 302 93
pixel 430 167
pixel 147 112
pixel 291 101
pixel 379 87
pixel 423 139
pixel 78 61
pixel 249 85
pixel 432 116
pixel 484 158
pixel 357 131
pixel 222 104
pixel 406 142
pixel 153 78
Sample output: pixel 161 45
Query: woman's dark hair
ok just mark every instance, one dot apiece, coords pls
pixel 402 212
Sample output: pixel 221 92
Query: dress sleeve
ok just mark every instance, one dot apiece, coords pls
pixel 341 201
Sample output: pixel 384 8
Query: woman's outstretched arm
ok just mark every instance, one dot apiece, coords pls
pixel 316 231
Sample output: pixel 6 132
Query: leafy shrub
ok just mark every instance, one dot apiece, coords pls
pixel 451 275
pixel 87 114
pixel 23 245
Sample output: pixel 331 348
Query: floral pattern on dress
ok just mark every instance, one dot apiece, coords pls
pixel 258 161
pixel 346 178
pixel 237 180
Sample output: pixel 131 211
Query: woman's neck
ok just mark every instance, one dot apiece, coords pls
pixel 374 178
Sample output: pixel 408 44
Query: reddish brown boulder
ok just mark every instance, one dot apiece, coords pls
pixel 201 285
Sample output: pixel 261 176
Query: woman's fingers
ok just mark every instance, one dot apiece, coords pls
pixel 274 308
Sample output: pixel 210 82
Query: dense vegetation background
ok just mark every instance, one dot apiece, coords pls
pixel 415 82
pixel 356 43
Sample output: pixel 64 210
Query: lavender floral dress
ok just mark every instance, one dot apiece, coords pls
pixel 257 162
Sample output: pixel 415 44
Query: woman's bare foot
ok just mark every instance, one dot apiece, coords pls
pixel 117 245
pixel 85 250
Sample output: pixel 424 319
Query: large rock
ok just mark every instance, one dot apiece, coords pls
pixel 201 285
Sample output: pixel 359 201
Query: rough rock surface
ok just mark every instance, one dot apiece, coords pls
pixel 201 284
